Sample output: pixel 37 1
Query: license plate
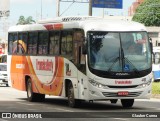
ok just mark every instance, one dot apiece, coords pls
pixel 123 93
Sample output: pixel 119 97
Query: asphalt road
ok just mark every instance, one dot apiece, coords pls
pixel 14 103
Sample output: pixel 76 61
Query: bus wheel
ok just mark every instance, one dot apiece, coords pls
pixel 113 101
pixel 127 103
pixel 72 102
pixel 33 97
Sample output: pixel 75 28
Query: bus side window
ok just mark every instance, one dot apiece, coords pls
pixel 63 43
pixel 12 48
pixel 10 43
pixel 32 43
pixel 43 43
pixel 22 42
pixel 54 42
pixel 67 43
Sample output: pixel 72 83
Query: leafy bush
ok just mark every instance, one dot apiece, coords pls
pixel 156 88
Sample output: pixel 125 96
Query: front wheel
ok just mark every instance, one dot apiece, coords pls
pixel 72 102
pixel 113 101
pixel 32 97
pixel 127 103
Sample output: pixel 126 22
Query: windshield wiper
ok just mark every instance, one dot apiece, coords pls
pixel 114 62
pixel 123 62
pixel 122 59
pixel 134 68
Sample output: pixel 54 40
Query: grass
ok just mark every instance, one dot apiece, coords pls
pixel 155 87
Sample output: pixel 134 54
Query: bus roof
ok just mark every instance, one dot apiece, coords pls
pixel 112 25
pixel 90 23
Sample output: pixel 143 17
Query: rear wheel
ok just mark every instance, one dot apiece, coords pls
pixel 72 102
pixel 32 97
pixel 127 103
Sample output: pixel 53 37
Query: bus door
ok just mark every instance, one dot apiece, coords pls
pixel 78 57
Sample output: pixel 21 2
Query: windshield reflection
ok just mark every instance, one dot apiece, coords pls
pixel 119 52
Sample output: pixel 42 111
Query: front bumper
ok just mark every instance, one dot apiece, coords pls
pixel 112 93
pixel 4 80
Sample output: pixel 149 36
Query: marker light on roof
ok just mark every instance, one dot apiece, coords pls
pixel 57 26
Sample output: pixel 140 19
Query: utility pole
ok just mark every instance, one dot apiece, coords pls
pixel 90 7
pixel 41 10
pixel 58 8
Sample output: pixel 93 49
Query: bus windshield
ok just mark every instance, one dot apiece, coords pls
pixel 119 51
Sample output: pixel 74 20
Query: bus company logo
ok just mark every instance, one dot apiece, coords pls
pixel 44 65
pixel 123 82
pixel 20 66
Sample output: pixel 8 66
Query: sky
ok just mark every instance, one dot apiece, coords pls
pixel 47 9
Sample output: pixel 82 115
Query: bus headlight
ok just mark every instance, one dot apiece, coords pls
pixel 97 84
pixel 145 84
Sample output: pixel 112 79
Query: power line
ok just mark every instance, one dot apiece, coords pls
pixel 73 1
pixel 76 1
pixel 67 8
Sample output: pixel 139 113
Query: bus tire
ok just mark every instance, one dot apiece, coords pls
pixel 31 96
pixel 113 101
pixel 72 102
pixel 127 103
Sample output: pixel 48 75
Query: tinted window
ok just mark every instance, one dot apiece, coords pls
pixel 66 43
pixel 54 42
pixel 43 43
pixel 3 67
pixel 32 43
pixel 22 42
pixel 12 48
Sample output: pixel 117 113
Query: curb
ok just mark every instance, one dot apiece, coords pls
pixel 155 96
pixel 155 99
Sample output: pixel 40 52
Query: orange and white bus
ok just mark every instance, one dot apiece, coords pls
pixel 81 58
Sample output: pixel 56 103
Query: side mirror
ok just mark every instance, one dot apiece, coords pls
pixel 84 46
pixel 151 45
pixel 150 39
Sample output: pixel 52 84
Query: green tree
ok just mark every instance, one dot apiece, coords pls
pixel 23 21
pixel 148 13
pixel 30 20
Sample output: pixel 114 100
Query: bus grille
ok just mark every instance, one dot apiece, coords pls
pixel 134 86
pixel 130 94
